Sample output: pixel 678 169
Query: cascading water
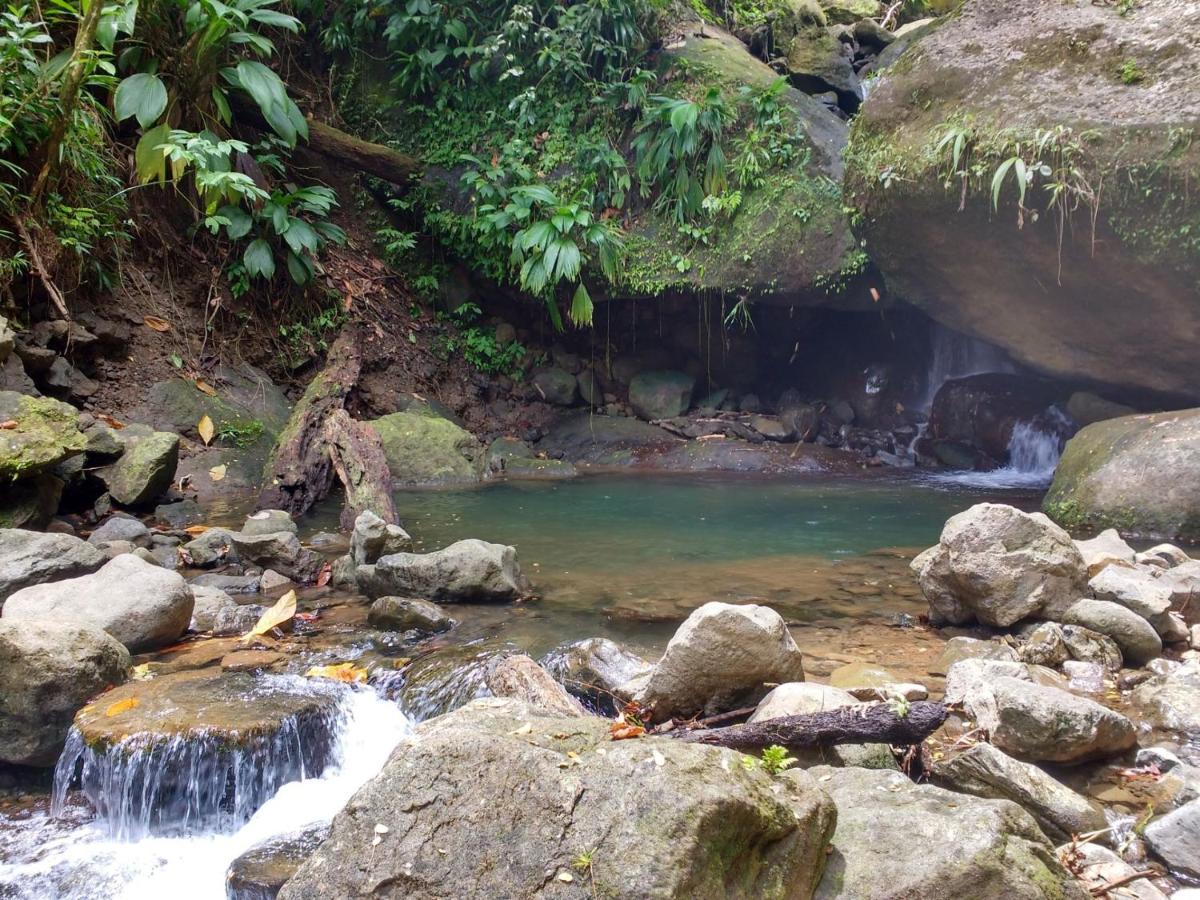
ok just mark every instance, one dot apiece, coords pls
pixel 1033 453
pixel 955 355
pixel 48 857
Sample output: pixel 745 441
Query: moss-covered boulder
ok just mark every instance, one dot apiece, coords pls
pixel 1097 275
pixel 146 467
pixel 37 434
pixel 422 448
pixel 1138 474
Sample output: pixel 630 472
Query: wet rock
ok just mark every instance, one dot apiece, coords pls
pixel 466 571
pixel 121 528
pixel 1171 701
pixel 260 872
pixel 1105 549
pixel 817 62
pixel 720 658
pixel 28 558
pixel 280 551
pixel 960 648
pixel 981 411
pixel 48 671
pixel 237 619
pixel 1098 868
pixel 536 468
pixel 1139 591
pixel 210 548
pixel 408 613
pixel 1047 724
pixel 1045 646
pixel 998 565
pixel 1086 645
pixel 898 839
pixel 373 537
pixel 1136 637
pixel 698 825
pixel 600 671
pixel 143 606
pixel 968 679
pixel 31 502
pixel 251 660
pixel 771 428
pixel 661 395
pixel 235 585
pixel 591 389
pixel 269 521
pixel 1175 839
pixel 1084 677
pixel 209 603
pixel 609 440
pixel 424 448
pixel 802 697
pixel 145 469
pixel 520 678
pixel 46 433
pixel 1162 556
pixel 861 675
pixel 180 514
pixel 984 771
pixel 556 387
pixel 270 580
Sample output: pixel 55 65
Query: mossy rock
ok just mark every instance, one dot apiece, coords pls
pixel 847 12
pixel 425 449
pixel 145 469
pixel 1115 301
pixel 1138 474
pixel 39 434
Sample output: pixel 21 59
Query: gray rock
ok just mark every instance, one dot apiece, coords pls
pixel 269 521
pixel 103 444
pixel 235 585
pixel 1105 549
pixel 48 671
pixel 520 678
pixel 998 565
pixel 720 658
pixel 209 602
pixel 280 551
pixel 1047 724
pixel 984 771
pixel 270 580
pixel 1098 867
pixel 556 387
pixel 231 620
pixel 1171 701
pixel 181 514
pixel 661 395
pixel 1162 556
pixel 960 648
pixel 1175 839
pixel 405 613
pixel 210 548
pixel 121 528
pixel 896 839
pixel 697 824
pixel 599 670
pixel 145 469
pixel 143 606
pixel 28 558
pixel 1045 646
pixel 261 872
pixel 1084 677
pixel 112 549
pixel 967 678
pixel 1136 637
pixel 373 537
pixel 1138 591
pixel 466 571
pixel 1086 645
pixel 801 697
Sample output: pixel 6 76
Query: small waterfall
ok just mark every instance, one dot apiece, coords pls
pixel 1033 453
pixel 955 355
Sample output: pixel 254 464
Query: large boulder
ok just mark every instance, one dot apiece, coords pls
pixel 1047 724
pixel 661 395
pixel 1171 701
pixel 1138 474
pixel 470 571
pixel 1108 100
pixel 1175 839
pixel 48 671
pixel 896 839
pixel 1136 637
pixel 998 565
pixel 982 410
pixel 723 656
pixel 408 614
pixel 519 677
pixel 423 448
pixel 600 671
pixel 497 800
pixel 29 557
pixel 143 606
pixel 41 434
pixel 146 467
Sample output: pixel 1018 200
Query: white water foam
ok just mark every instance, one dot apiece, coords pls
pixel 1032 458
pixel 46 858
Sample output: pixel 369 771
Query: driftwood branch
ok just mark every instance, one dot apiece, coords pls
pixel 878 723
pixel 359 461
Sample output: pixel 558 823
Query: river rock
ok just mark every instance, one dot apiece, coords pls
pixel 121 528
pixel 984 771
pixel 600 671
pixel 1086 645
pixel 143 606
pixel 1098 868
pixel 373 537
pixel 423 448
pixel 1162 556
pixel 29 557
pixel 1175 839
pixel 1138 591
pixel 1171 701
pixel 998 565
pixel 981 411
pixel 674 819
pixel 48 671
pixel 405 613
pixel 661 395
pixel 968 678
pixel 209 604
pixel 238 619
pixel 1140 474
pixel 1136 637
pixel 234 585
pixel 896 839
pixel 520 678
pixel 962 647
pixel 146 467
pixel 269 521
pixel 556 387
pixel 720 658
pixel 1105 549
pixel 180 514
pixel 210 548
pixel 1047 724
pixel 46 433
pixel 280 551
pixel 261 872
pixel 32 502
pixel 801 697
pixel 466 571
pixel 1045 645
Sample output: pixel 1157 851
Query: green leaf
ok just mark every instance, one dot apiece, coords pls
pixel 150 162
pixel 998 180
pixel 240 221
pixel 261 84
pixel 275 19
pixel 143 96
pixel 582 310
pixel 224 113
pixel 259 259
pixel 299 268
pixel 277 117
pixel 300 236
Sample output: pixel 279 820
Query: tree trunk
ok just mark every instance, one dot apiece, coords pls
pixel 360 464
pixel 876 724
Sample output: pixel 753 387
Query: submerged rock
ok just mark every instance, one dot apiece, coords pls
pixel 698 824
pixel 143 606
pixel 722 656
pixel 261 872
pixel 48 671
pixel 466 571
pixel 405 613
pixel 29 557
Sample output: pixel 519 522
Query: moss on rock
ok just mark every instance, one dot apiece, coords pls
pixel 423 448
pixel 39 433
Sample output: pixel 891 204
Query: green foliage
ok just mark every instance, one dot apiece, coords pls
pixel 775 759
pixel 309 337
pixel 1130 72
pixel 478 344
pixel 242 433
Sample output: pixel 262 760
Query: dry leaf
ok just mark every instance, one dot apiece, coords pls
pixel 216 473
pixel 619 731
pixel 122 706
pixel 8 424
pixel 157 324
pixel 194 530
pixel 206 430
pixel 325 574
pixel 205 388
pixel 278 614
pixel 347 672
pixel 114 424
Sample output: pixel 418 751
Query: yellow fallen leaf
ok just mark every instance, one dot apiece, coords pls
pixel 347 672
pixel 206 430
pixel 122 706
pixel 194 530
pixel 216 473
pixel 281 612
pixel 205 388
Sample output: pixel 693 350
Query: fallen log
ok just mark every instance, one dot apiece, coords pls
pixel 879 723
pixel 360 464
